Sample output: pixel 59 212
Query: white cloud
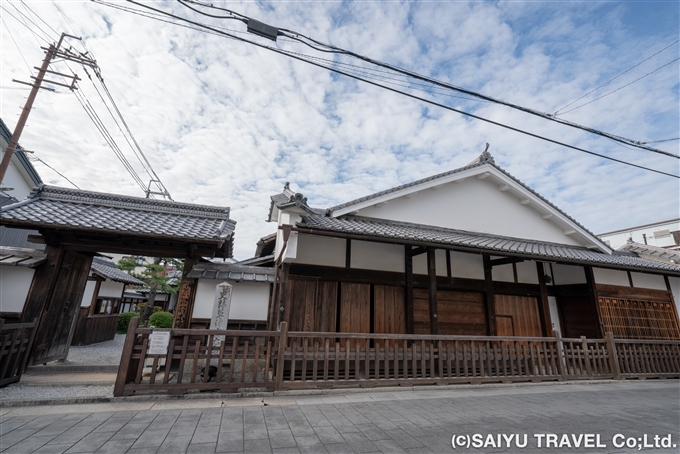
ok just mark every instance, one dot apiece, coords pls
pixel 226 123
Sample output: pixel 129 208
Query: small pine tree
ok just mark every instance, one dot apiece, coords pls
pixel 153 276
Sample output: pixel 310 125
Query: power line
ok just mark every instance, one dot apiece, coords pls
pixel 616 77
pixel 35 158
pixel 328 48
pixel 298 57
pixel 620 88
pixel 17 46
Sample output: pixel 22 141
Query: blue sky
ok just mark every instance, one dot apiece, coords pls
pixel 225 123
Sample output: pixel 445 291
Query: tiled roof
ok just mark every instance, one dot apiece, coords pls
pixel 482 159
pixel 652 251
pixel 287 198
pixel 13 256
pixel 232 271
pixel 51 206
pixel 418 233
pixel 106 268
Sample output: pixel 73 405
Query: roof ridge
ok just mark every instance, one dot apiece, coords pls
pixel 56 193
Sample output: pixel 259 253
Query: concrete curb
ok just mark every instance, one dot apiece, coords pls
pixel 307 392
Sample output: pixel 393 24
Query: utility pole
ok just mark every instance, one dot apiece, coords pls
pixel 51 52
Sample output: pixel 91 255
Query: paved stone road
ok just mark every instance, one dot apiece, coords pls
pixel 380 422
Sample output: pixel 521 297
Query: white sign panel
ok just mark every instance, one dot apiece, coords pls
pixel 158 342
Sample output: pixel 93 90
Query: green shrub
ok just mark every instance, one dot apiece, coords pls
pixel 142 306
pixel 161 320
pixel 124 321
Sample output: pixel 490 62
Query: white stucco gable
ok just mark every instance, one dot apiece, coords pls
pixel 480 198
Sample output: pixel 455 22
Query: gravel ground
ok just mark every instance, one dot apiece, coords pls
pixel 101 354
pixel 17 391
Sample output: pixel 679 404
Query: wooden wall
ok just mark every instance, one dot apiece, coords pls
pixel 517 316
pixel 459 313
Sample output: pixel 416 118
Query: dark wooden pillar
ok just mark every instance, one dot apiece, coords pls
pixel 408 270
pixel 186 296
pixel 432 287
pixel 543 304
pixel 670 295
pixel 284 297
pixel 594 300
pixel 490 297
pixel 95 294
pixel 348 253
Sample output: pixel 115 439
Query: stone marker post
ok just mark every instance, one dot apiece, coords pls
pixel 220 314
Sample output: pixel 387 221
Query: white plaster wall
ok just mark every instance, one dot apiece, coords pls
pixel 475 205
pixel 675 289
pixel 469 266
pixel 644 280
pixel 111 289
pixel 568 274
pixel 89 291
pixel 368 255
pixel 249 300
pixel 554 314
pixel 618 239
pixel 15 282
pixel 503 273
pixel 526 272
pixel 14 179
pixel 611 277
pixel 420 264
pixel 320 250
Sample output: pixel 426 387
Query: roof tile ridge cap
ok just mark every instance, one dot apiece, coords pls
pixel 459 231
pixel 406 185
pixel 60 194
pixel 546 201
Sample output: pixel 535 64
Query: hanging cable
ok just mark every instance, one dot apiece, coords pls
pixel 328 48
pixel 17 46
pixel 558 111
pixel 298 57
pixel 37 159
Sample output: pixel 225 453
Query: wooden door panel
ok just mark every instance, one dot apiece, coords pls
pixel 389 314
pixel 459 313
pixel 326 307
pixel 57 322
pixel 355 308
pixel 523 311
pixel 578 317
pixel 302 296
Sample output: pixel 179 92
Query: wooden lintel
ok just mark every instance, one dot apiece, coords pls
pixel 505 261
pixel 36 239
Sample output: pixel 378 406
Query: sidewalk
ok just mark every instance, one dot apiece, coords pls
pixel 410 420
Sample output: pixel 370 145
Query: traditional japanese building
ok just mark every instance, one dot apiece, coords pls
pixel 472 251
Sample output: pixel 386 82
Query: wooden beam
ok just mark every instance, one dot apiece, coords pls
pixel 95 294
pixel 408 271
pixel 348 253
pixel 490 297
pixel 505 261
pixel 543 304
pixel 432 296
pixel 284 299
pixel 448 263
pixel 594 299
pixel 417 251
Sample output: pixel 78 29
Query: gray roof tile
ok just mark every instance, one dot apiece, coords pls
pixel 380 228
pixel 232 271
pixel 106 268
pixel 114 213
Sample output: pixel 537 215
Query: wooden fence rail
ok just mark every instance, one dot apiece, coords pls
pixel 282 360
pixel 197 360
pixel 16 341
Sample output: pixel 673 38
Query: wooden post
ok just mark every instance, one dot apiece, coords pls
pixel 44 280
pixel 432 287
pixel 613 357
pixel 670 295
pixel 586 356
pixel 283 341
pixel 187 293
pixel 284 297
pixel 561 362
pixel 594 300
pixel 95 294
pixel 408 269
pixel 490 297
pixel 543 304
pixel 124 367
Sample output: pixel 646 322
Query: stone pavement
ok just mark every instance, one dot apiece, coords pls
pixel 414 421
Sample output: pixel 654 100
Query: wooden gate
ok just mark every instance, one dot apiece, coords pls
pixel 15 346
